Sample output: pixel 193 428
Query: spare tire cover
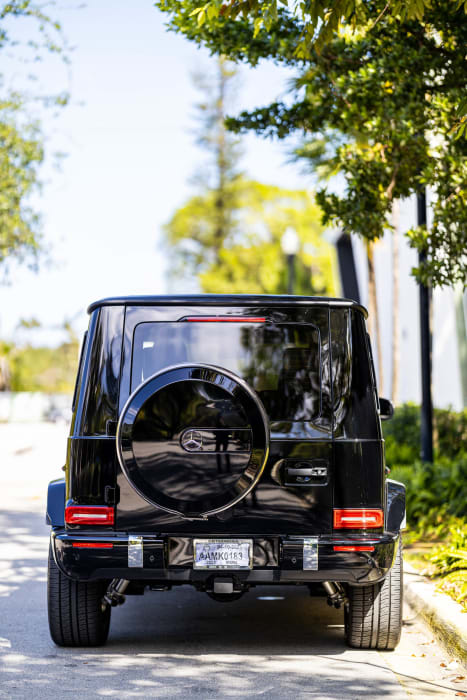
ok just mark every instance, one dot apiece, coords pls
pixel 193 439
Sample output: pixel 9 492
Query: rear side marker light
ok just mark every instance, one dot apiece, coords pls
pixel 352 548
pixel 93 545
pixel 358 518
pixel 89 515
pixel 226 319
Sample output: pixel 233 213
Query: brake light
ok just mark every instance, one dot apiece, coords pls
pixel 358 518
pixel 93 545
pixel 226 319
pixel 353 548
pixel 89 515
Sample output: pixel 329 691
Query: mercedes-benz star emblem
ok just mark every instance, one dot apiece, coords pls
pixel 192 441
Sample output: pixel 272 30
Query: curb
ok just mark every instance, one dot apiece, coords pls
pixel 443 615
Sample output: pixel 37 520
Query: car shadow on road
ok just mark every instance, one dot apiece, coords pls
pixel 277 642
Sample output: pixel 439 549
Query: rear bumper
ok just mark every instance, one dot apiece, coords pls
pixel 168 560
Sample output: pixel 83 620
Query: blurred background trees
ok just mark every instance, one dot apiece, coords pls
pixel 228 235
pixel 25 366
pixel 21 154
pixel 21 134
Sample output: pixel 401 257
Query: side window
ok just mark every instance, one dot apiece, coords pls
pixel 80 371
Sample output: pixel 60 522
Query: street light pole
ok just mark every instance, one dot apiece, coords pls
pixel 425 349
pixel 291 273
pixel 290 244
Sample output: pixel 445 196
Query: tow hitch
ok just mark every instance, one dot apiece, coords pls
pixel 225 589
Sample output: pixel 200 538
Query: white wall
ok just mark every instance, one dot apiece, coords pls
pixel 33 406
pixel 446 370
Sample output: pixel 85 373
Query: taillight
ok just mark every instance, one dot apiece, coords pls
pixel 226 319
pixel 358 518
pixel 93 545
pixel 353 548
pixel 89 515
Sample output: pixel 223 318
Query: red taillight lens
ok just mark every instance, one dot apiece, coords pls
pixel 93 545
pixel 89 515
pixel 353 548
pixel 358 518
pixel 226 319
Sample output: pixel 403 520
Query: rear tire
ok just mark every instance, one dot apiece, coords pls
pixel 373 616
pixel 76 618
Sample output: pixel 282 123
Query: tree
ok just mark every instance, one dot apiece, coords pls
pixel 318 21
pixel 21 154
pixel 220 173
pixel 228 234
pixel 376 106
pixel 21 140
pixel 250 259
pixel 28 367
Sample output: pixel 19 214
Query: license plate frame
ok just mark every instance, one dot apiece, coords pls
pixel 310 554
pixel 218 554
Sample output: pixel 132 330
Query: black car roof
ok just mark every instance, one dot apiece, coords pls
pixel 227 300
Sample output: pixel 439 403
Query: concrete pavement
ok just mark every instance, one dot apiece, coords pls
pixel 275 643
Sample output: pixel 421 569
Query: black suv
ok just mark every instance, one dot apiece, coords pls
pixel 226 442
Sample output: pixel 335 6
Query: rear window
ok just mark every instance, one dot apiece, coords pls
pixel 280 362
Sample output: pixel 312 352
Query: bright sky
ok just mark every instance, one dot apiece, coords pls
pixel 128 136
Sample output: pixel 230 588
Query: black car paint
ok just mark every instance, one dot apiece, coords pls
pixel 346 437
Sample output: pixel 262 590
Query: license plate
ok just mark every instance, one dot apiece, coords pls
pixel 310 554
pixel 222 554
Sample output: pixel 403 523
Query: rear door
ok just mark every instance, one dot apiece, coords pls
pixel 284 360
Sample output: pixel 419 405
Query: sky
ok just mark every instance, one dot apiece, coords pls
pixel 130 155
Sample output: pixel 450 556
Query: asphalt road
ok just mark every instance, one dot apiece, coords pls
pixel 273 643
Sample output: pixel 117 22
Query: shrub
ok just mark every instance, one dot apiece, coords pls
pixel 402 434
pixel 438 487
pixel 450 561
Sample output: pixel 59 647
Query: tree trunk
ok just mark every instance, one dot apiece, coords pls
pixel 221 157
pixel 373 314
pixel 395 304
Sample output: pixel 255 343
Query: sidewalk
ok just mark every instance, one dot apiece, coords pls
pixel 441 613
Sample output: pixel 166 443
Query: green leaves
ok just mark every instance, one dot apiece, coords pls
pixel 21 140
pixel 450 561
pixel 32 368
pixel 20 156
pixel 250 258
pixel 381 90
pixel 320 21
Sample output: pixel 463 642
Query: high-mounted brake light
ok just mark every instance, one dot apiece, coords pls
pixel 93 545
pixel 89 515
pixel 353 548
pixel 358 518
pixel 226 319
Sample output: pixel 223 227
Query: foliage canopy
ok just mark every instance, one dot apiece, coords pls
pixel 318 21
pixel 28 367
pixel 21 139
pixel 379 106
pixel 250 259
pixel 229 233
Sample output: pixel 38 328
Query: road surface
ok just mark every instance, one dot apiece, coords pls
pixel 273 643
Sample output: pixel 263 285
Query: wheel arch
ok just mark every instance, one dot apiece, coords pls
pixel 395 505
pixel 56 494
